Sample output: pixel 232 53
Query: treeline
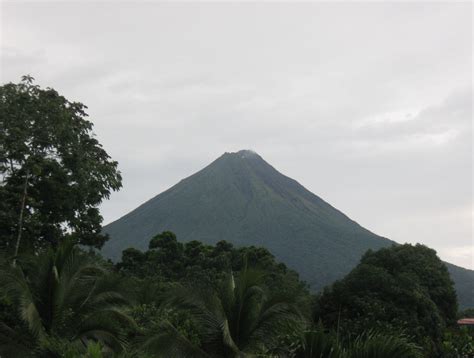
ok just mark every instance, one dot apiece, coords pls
pixel 196 300
pixel 60 298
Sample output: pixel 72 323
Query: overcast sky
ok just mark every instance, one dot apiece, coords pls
pixel 368 105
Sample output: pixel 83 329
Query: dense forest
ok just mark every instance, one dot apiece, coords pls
pixel 60 298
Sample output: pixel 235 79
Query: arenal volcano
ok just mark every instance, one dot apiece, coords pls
pixel 242 199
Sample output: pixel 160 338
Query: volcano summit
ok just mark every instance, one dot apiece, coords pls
pixel 242 199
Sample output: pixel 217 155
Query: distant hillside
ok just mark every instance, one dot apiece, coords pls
pixel 464 281
pixel 244 200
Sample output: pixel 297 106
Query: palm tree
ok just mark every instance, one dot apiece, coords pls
pixel 61 297
pixel 319 344
pixel 238 319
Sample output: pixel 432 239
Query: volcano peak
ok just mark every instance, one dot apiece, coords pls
pixel 242 199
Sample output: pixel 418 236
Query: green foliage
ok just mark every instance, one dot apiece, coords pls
pixel 53 172
pixel 399 289
pixel 236 319
pixel 320 344
pixel 65 303
pixel 458 342
pixel 202 269
pixel 94 350
pixel 317 344
pixel 376 345
pixel 61 298
pixel 168 260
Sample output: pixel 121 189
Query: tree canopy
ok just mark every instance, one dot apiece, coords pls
pixel 54 173
pixel 169 260
pixel 404 288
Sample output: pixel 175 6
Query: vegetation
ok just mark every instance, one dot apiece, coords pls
pixel 66 302
pixel 60 298
pixel 239 317
pixel 317 343
pixel 59 301
pixel 53 172
pixel 169 260
pixel 404 288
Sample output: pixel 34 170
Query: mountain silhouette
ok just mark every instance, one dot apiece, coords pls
pixel 242 199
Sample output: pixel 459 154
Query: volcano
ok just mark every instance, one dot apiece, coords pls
pixel 242 199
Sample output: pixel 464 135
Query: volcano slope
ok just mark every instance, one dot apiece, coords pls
pixel 242 199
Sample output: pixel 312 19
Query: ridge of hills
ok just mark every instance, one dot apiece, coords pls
pixel 242 199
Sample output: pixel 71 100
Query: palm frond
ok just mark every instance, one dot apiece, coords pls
pixel 376 345
pixel 168 342
pixel 16 343
pixel 15 286
pixel 318 344
pixel 67 294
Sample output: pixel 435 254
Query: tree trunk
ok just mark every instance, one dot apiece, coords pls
pixel 20 219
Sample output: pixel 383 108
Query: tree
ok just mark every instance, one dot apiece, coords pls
pixel 61 298
pixel 403 288
pixel 236 320
pixel 167 252
pixel 168 260
pixel 53 172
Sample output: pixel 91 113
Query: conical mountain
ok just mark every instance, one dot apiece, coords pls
pixel 242 199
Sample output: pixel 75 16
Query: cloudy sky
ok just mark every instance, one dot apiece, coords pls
pixel 368 105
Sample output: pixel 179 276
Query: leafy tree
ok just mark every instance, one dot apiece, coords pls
pixel 166 251
pixel 60 299
pixel 133 263
pixel 239 318
pixel 404 288
pixel 53 172
pixel 168 260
